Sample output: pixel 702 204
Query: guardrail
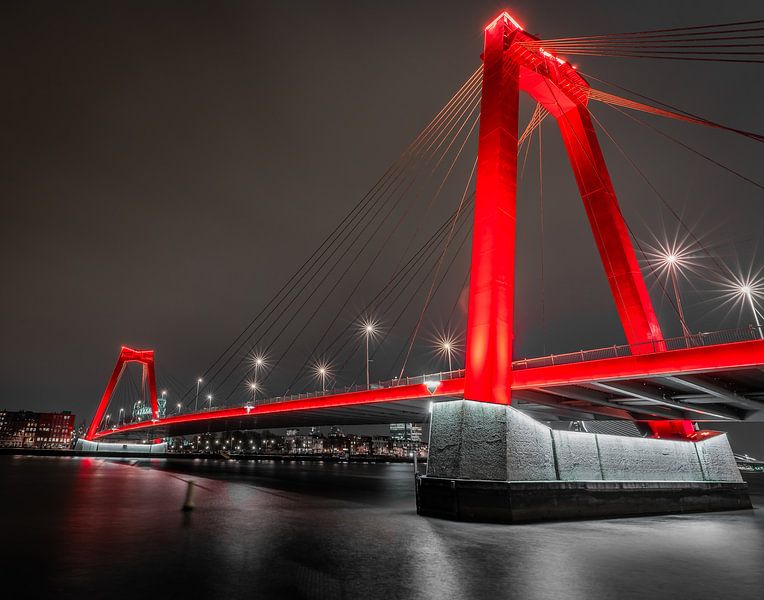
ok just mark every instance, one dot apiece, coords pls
pixel 694 340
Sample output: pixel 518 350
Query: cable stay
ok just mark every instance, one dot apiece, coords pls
pixel 361 231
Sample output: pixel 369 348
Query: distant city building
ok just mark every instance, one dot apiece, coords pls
pixel 380 445
pixel 409 432
pixel 26 429
pixel 405 438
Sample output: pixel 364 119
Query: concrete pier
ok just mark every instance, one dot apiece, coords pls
pixel 119 448
pixel 491 462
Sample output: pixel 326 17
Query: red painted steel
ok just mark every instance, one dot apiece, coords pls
pixel 490 317
pixel 610 232
pixel 707 359
pixel 681 430
pixel 447 387
pixel 512 64
pixel 126 355
pixel 736 355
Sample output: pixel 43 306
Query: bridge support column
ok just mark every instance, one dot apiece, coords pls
pixel 632 301
pixel 492 276
pixel 491 462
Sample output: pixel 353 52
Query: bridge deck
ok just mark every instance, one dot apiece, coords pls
pixel 710 383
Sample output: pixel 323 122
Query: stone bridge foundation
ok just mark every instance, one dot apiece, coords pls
pixel 491 462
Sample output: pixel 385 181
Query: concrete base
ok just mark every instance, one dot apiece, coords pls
pixel 528 501
pixel 493 463
pixel 117 448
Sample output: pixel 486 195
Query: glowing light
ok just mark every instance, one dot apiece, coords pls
pixel 369 327
pixel 505 15
pixel 259 361
pixel 746 291
pixel 447 345
pixel 322 371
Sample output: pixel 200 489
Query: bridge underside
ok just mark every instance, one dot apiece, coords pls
pixel 712 383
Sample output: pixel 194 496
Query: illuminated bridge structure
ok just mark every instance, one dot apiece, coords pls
pixel 711 381
pixel 666 384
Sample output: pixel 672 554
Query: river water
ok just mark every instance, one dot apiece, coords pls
pixel 103 528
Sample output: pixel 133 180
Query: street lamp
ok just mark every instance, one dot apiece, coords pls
pixel 121 417
pixel 369 329
pixel 196 400
pixel 322 370
pixel 446 345
pixel 672 261
pixel 747 290
pixel 258 362
pixel 178 407
pixel 209 401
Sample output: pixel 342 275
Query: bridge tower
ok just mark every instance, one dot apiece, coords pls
pixel 512 61
pixel 127 355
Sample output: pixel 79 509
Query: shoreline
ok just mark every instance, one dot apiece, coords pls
pixel 205 456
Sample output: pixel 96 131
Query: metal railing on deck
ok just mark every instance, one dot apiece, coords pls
pixel 694 340
pixel 391 383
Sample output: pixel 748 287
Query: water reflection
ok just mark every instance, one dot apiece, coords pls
pixel 309 530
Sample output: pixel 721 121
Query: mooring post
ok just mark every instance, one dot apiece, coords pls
pixel 188 503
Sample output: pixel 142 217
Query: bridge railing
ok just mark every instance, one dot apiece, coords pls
pixel 616 351
pixel 695 340
pixel 390 383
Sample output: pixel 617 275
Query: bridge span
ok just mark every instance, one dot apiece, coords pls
pixel 714 382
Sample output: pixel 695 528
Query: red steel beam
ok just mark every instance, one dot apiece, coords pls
pixel 126 355
pixel 490 317
pixel 447 387
pixel 706 359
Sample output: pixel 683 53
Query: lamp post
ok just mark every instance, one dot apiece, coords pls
pixel 747 292
pixel 448 348
pixel 369 328
pixel 446 345
pixel 121 417
pixel 178 407
pixel 209 401
pixel 322 370
pixel 672 262
pixel 258 362
pixel 253 387
pixel 196 400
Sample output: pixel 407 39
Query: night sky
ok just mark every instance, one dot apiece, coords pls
pixel 167 164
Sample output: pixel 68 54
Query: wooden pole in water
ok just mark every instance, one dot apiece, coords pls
pixel 188 503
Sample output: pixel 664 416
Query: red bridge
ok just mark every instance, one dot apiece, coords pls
pixel 665 382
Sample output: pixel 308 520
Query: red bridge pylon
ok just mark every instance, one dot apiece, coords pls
pixel 127 355
pixel 512 61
